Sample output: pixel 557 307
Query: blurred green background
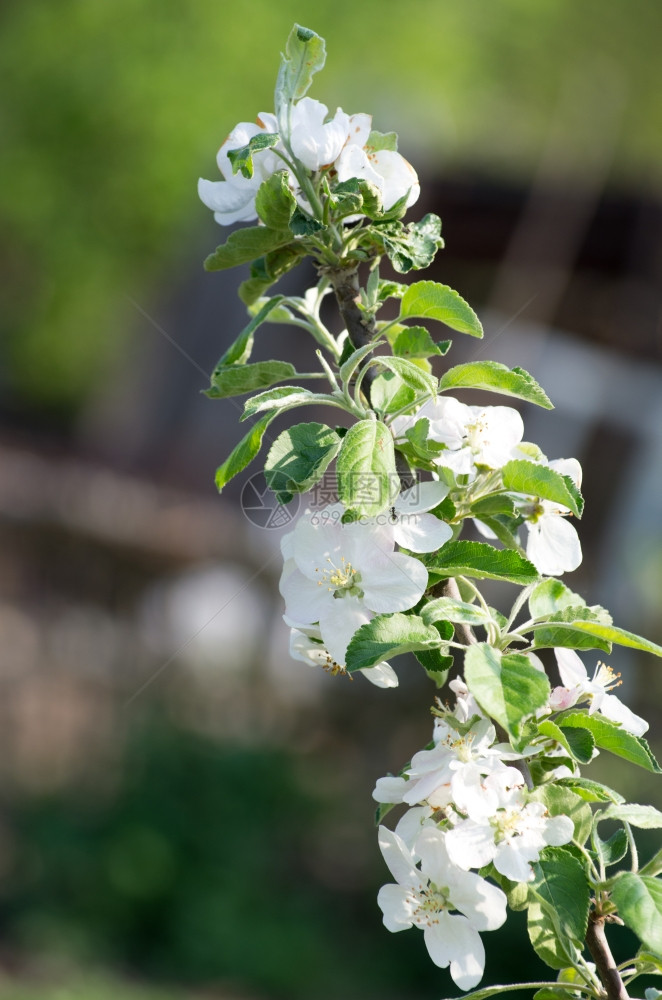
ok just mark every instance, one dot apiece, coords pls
pixel 183 808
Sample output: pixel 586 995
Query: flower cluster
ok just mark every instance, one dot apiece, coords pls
pixel 339 146
pixel 468 808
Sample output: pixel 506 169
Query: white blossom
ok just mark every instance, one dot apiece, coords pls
pixel 512 836
pixel 449 905
pixel 306 645
pixel 314 141
pixel 392 175
pixel 553 545
pixel 412 526
pixel 578 686
pixel 340 575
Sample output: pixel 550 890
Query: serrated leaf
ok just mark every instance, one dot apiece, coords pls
pixel 240 350
pixel 453 611
pixel 367 477
pixel 506 686
pixel 591 791
pixel 235 380
pixel 412 247
pixel 302 224
pixel 481 562
pixel 416 342
pixel 243 453
pixel 551 596
pixel 522 476
pixel 595 634
pixel 305 55
pixel 282 398
pixel 346 198
pixel 615 739
pixel 431 300
pixel 436 664
pixel 274 201
pixel 246 245
pixel 422 445
pixel 639 902
pixel 563 889
pixel 242 158
pixel 643 817
pixel 268 269
pixel 421 382
pixel 578 742
pixel 495 377
pixel 385 636
pixel 545 939
pixel 298 458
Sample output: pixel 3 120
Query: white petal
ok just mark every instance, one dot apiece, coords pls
pixel 353 162
pixel 471 845
pixel 382 675
pixel 568 467
pixel 393 582
pixel 558 830
pixel 483 903
pixel 411 823
pixel 360 126
pixel 614 709
pixel 390 788
pixel 453 940
pixel 421 497
pixel 571 669
pixel 398 858
pixel 513 863
pixel 484 530
pixel 553 545
pixel 228 202
pixel 339 620
pixel 305 602
pixel 430 846
pixel 397 905
pixel 314 142
pixel 421 532
pixel 398 177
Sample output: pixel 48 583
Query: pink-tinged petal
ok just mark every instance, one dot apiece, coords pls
pixel 452 940
pixel 553 545
pixel 614 709
pixel 421 532
pixel 562 698
pixel 572 670
pixel 339 620
pixel 398 858
pixel 382 675
pixel 393 582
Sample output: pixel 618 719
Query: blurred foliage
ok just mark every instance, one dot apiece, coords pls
pixel 205 868
pixel 83 987
pixel 112 110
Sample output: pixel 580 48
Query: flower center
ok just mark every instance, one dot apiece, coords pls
pixel 606 677
pixel 342 580
pixel 430 901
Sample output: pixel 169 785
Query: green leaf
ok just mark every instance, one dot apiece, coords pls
pixel 453 611
pixel 305 55
pixel 274 201
pixel 643 817
pixel 565 802
pixel 298 458
pixel 614 849
pixel 481 562
pixel 522 476
pixel 240 350
pixel 563 889
pixel 578 742
pixel 546 941
pixel 244 453
pixel 418 441
pixel 382 140
pixel 349 366
pixel 591 791
pixel 639 902
pixel 421 382
pixel 506 686
pixel 551 596
pixel 416 342
pixel 245 245
pixel 367 478
pixel 282 398
pixel 615 739
pixel 268 269
pixel 386 636
pixel 388 393
pixel 409 248
pixel 242 158
pixel 581 631
pixel 494 504
pixel 302 224
pixel 346 198
pixel 495 377
pixel 430 300
pixel 235 380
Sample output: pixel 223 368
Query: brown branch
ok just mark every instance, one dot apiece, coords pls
pixel 596 942
pixel 361 326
